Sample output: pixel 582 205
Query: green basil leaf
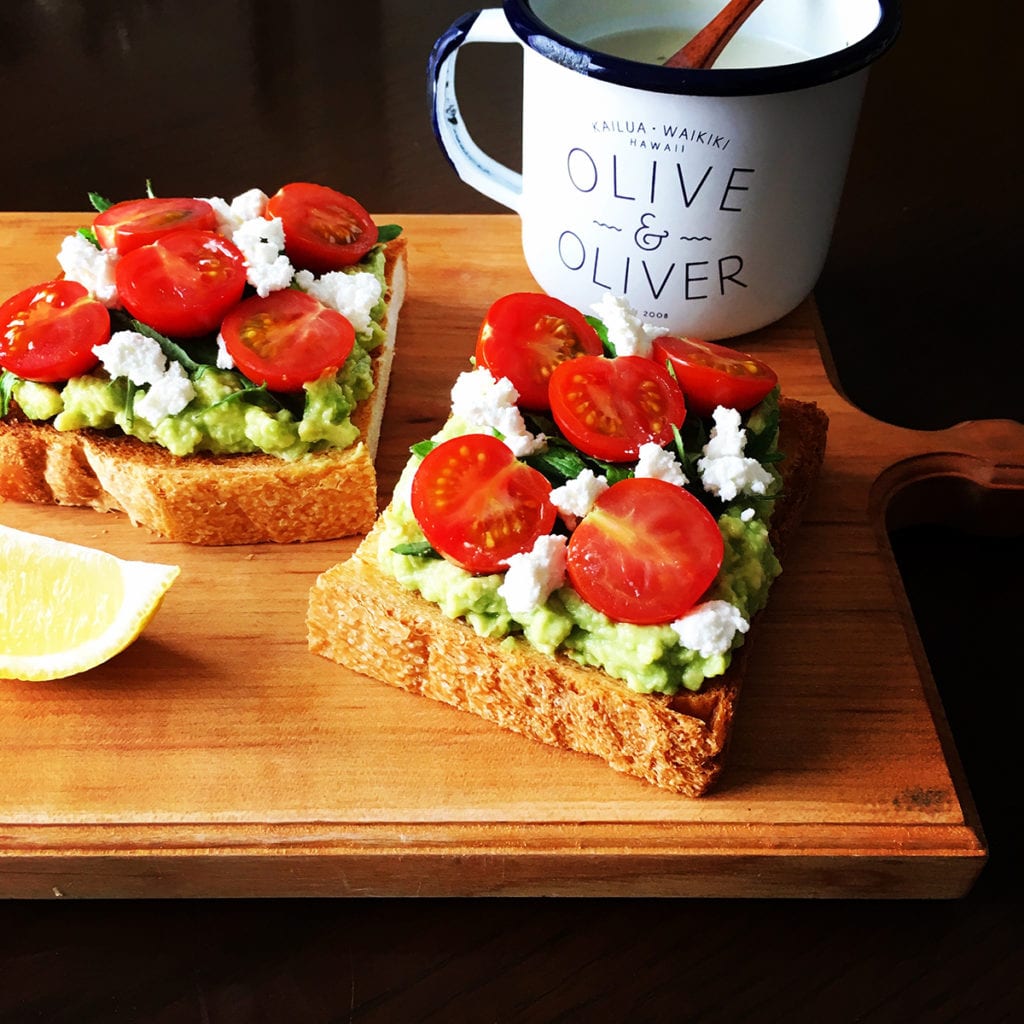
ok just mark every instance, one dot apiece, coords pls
pixel 90 236
pixel 388 232
pixel 416 549
pixel 99 203
pixel 7 382
pixel 129 403
pixel 170 348
pixel 422 448
pixel 558 464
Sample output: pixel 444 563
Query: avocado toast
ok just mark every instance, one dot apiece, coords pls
pixel 601 627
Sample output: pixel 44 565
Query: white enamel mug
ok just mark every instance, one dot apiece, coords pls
pixel 707 198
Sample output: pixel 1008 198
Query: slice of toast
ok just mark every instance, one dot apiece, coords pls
pixel 212 499
pixel 361 618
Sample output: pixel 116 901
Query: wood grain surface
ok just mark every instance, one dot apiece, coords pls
pixel 217 757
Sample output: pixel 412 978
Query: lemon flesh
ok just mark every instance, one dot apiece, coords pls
pixel 65 608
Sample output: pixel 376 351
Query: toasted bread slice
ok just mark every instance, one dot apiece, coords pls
pixel 363 619
pixel 212 499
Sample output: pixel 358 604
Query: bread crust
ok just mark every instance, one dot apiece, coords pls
pixel 212 499
pixel 365 620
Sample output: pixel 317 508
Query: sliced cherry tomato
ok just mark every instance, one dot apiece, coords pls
pixel 323 229
pixel 126 226
pixel 286 339
pixel 712 375
pixel 183 283
pixel 47 333
pixel 525 335
pixel 608 408
pixel 478 505
pixel 645 553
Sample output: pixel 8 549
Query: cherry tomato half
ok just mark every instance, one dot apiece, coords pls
pixel 47 333
pixel 126 226
pixel 183 283
pixel 645 553
pixel 608 408
pixel 525 335
pixel 286 339
pixel 323 229
pixel 478 505
pixel 712 375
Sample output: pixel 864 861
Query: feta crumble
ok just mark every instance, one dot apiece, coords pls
pixel 710 628
pixel 659 463
pixel 224 360
pixel 259 239
pixel 489 405
pixel 231 216
pixel 534 574
pixel 90 267
pixel 261 243
pixel 132 355
pixel 576 497
pixel 724 470
pixel 167 395
pixel 627 333
pixel 352 295
pixel 140 359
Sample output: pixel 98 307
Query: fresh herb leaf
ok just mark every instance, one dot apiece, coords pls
pixel 149 189
pixel 388 232
pixel 131 390
pixel 416 549
pixel 423 448
pixel 690 444
pixel 171 349
pixel 7 382
pixel 250 393
pixel 562 461
pixel 99 203
pixel 90 236
pixel 558 464
pixel 762 433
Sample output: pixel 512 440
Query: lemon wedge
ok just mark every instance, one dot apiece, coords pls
pixel 65 608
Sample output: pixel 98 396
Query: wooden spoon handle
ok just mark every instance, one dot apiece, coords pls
pixel 705 47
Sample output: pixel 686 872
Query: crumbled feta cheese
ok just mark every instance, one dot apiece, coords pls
pixel 489 405
pixel 627 333
pixel 167 395
pixel 534 574
pixel 747 514
pixel 231 216
pixel 261 242
pixel 140 359
pixel 352 295
pixel 727 436
pixel 659 464
pixel 724 470
pixel 132 355
pixel 224 360
pixel 576 497
pixel 90 267
pixel 710 628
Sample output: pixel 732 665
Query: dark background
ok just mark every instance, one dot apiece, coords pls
pixel 919 303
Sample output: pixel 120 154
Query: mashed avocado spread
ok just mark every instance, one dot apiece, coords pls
pixel 228 414
pixel 647 658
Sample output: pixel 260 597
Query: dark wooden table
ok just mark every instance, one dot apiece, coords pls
pixel 919 305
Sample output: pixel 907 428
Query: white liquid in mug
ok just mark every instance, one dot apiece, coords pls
pixel 656 44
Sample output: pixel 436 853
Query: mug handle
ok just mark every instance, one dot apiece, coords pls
pixel 471 163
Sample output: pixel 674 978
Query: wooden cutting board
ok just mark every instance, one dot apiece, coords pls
pixel 217 757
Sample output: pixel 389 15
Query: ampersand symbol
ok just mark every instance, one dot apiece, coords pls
pixel 646 238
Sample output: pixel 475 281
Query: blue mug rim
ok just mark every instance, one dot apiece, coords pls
pixel 543 39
